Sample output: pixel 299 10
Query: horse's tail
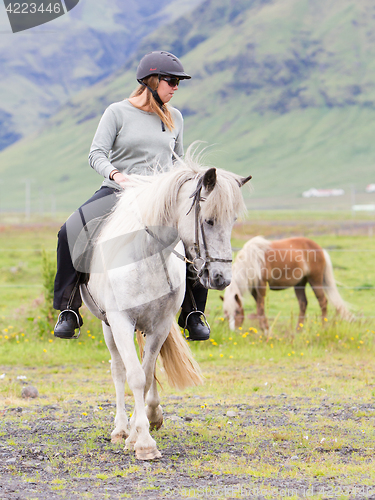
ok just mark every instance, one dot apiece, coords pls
pixel 181 368
pixel 332 292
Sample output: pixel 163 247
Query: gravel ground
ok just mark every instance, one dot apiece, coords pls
pixel 62 450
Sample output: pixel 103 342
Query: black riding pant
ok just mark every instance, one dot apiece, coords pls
pixel 92 213
pixel 99 205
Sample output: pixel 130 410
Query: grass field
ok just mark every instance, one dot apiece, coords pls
pixel 289 416
pixel 349 242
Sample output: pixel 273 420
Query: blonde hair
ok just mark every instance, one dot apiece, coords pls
pixel 164 111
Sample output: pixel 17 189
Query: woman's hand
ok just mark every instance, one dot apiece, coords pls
pixel 122 180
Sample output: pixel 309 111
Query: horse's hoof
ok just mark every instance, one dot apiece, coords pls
pixel 147 454
pixel 119 438
pixel 156 425
pixel 129 446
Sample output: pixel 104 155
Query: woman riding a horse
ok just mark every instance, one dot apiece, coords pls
pixel 139 135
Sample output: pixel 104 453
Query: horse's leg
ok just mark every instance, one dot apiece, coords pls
pixel 300 292
pixel 154 343
pixel 123 334
pixel 260 295
pixel 121 430
pixel 133 434
pixel 154 411
pixel 317 286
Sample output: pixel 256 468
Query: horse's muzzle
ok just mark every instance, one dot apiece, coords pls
pixel 215 279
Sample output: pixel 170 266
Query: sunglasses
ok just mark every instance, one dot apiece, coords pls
pixel 171 80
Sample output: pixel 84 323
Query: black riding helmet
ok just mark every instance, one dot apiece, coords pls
pixel 160 63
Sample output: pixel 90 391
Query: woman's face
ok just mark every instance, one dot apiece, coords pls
pixel 166 91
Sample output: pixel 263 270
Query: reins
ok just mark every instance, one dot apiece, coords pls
pixel 172 250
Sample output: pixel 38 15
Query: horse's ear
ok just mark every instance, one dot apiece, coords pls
pixel 221 297
pixel 243 181
pixel 209 179
pixel 238 300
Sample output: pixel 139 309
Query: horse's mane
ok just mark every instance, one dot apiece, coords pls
pixel 152 200
pixel 250 260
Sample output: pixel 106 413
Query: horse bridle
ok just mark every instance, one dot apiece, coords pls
pixel 199 263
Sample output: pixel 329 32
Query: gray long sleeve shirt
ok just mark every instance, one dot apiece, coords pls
pixel 133 142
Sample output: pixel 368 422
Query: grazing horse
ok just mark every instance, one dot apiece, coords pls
pixel 137 281
pixel 282 264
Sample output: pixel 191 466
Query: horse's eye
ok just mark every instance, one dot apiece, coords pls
pixel 210 222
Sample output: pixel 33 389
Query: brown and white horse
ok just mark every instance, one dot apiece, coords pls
pixel 291 262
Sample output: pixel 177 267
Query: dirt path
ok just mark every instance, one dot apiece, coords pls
pixel 260 443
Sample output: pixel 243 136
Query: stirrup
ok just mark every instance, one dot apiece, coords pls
pixel 200 314
pixel 79 326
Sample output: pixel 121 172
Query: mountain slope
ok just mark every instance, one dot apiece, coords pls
pixel 42 68
pixel 282 88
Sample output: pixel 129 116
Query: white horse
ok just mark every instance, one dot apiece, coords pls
pixel 137 281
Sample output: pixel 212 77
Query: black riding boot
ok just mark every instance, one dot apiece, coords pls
pixel 69 320
pixel 197 329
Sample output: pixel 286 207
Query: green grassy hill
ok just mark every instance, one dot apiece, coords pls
pixel 42 68
pixel 282 89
